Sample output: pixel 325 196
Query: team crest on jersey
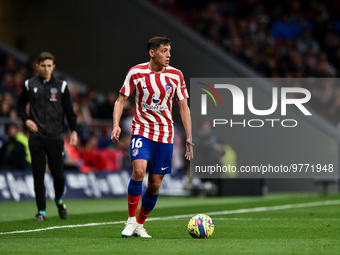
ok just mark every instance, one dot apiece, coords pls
pixel 54 92
pixel 35 90
pixel 168 88
pixel 135 152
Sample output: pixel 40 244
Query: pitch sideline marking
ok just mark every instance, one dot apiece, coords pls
pixel 273 219
pixel 238 211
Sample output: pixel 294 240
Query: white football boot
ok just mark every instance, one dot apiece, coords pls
pixel 141 232
pixel 130 227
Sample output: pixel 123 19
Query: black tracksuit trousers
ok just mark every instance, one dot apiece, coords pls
pixel 54 149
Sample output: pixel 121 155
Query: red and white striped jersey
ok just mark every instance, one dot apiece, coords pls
pixel 154 96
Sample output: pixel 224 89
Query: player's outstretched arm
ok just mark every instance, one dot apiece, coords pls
pixel 184 111
pixel 117 114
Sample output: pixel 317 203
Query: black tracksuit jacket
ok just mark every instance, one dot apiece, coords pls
pixel 48 105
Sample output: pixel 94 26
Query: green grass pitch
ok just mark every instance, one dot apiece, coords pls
pixel 273 224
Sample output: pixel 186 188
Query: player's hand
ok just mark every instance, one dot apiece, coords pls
pixel 189 153
pixel 31 126
pixel 115 134
pixel 74 139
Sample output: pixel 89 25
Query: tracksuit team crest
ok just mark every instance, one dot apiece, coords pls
pixel 54 92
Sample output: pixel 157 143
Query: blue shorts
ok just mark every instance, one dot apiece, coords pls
pixel 158 155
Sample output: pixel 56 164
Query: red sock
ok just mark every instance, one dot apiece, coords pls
pixel 133 205
pixel 142 215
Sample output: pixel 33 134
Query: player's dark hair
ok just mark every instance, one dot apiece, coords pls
pixel 156 41
pixel 45 55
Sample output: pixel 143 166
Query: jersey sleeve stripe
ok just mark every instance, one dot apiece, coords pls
pixel 63 86
pixel 27 84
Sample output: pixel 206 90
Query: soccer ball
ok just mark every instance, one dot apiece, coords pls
pixel 201 226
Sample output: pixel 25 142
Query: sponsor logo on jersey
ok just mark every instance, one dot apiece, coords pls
pixel 155 100
pixel 154 107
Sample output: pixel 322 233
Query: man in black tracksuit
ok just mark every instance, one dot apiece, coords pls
pixel 49 100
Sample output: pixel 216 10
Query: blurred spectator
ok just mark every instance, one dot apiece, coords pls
pixel 22 137
pixel 286 28
pixel 74 92
pixel 8 85
pixel 178 161
pixel 334 111
pixel 84 132
pixel 126 120
pixel 207 149
pixel 93 102
pixel 5 108
pixel 10 65
pixel 324 68
pixel 72 159
pixel 93 161
pixel 306 42
pixel 32 71
pixel 84 104
pixel 118 158
pixel 106 159
pixel 12 153
pixel 105 110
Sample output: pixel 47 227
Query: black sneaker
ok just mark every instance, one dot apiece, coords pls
pixel 39 217
pixel 62 210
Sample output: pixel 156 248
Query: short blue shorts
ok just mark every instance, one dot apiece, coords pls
pixel 158 155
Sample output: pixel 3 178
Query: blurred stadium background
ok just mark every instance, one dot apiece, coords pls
pixel 96 42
